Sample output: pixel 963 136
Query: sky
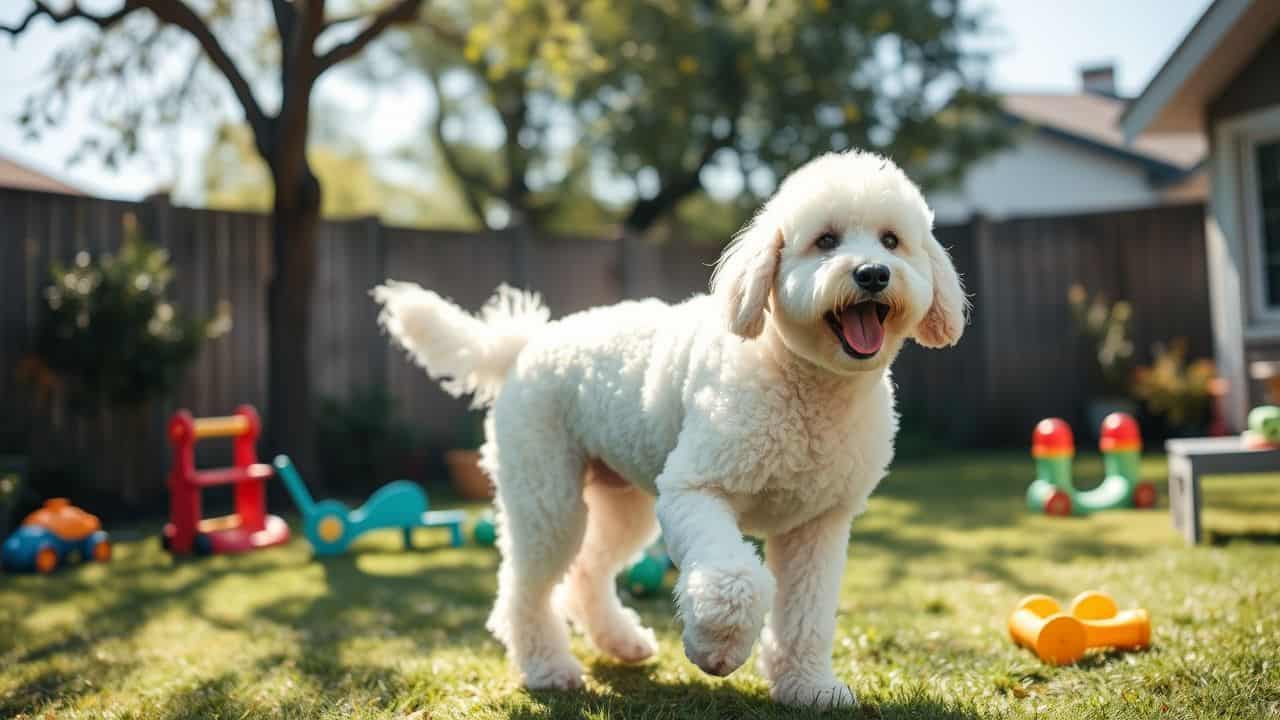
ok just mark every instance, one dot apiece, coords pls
pixel 1037 45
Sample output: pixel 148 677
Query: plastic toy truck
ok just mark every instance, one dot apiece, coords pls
pixel 54 535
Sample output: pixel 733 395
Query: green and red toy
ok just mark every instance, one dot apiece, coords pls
pixel 1053 447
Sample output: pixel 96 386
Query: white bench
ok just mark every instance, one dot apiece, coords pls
pixel 1192 458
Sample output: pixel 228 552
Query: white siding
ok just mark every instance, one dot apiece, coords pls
pixel 1042 175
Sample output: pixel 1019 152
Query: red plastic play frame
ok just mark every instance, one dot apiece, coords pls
pixel 250 527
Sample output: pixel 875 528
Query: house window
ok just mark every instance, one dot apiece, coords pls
pixel 1267 162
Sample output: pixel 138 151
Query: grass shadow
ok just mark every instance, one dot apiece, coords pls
pixel 641 691
pixel 210 698
pixel 73 676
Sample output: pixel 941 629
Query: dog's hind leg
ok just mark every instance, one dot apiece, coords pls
pixel 541 519
pixel 620 522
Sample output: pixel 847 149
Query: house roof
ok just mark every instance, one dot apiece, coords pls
pixel 1091 118
pixel 1213 52
pixel 14 174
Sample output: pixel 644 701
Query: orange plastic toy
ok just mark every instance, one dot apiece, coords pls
pixel 1092 621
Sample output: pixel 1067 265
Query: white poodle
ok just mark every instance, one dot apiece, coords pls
pixel 764 408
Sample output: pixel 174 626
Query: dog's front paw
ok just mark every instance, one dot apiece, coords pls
pixel 563 673
pixel 723 612
pixel 630 643
pixel 820 693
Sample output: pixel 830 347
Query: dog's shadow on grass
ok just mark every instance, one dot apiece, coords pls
pixel 640 691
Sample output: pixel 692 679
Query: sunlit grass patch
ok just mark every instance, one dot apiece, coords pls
pixel 935 565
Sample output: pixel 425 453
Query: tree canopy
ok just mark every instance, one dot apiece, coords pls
pixel 651 94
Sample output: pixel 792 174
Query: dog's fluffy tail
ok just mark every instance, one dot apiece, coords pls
pixel 469 354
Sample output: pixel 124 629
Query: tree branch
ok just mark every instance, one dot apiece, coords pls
pixel 646 212
pixel 71 13
pixel 175 12
pixel 398 12
pixel 286 17
pixel 171 12
pixel 340 20
pixel 468 182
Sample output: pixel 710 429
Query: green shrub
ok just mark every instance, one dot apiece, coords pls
pixel 107 331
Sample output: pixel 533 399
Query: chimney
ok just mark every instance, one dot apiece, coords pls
pixel 1099 79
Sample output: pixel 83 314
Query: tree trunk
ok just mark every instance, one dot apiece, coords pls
pixel 295 220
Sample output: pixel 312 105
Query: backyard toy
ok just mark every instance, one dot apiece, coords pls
pixel 249 527
pixel 645 576
pixel 332 527
pixel 1053 491
pixel 55 534
pixel 1264 427
pixel 484 532
pixel 1092 621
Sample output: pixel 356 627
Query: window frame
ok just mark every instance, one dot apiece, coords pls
pixel 1238 138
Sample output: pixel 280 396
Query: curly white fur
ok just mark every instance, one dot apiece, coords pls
pixel 469 354
pixel 738 412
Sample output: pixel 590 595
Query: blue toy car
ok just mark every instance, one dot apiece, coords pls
pixel 55 534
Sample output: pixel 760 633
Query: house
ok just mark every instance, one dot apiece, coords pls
pixel 1070 157
pixel 1222 82
pixel 20 176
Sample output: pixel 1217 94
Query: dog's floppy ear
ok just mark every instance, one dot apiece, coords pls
pixel 944 323
pixel 744 277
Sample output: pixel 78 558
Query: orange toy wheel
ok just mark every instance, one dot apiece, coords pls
pixel 102 551
pixel 1144 495
pixel 1058 504
pixel 46 560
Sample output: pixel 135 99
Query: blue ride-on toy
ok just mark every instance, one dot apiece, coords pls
pixel 331 526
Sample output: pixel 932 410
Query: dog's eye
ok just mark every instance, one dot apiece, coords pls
pixel 826 241
pixel 889 240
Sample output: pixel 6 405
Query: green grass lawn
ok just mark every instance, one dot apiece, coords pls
pixel 944 553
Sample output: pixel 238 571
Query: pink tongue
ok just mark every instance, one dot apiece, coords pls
pixel 861 328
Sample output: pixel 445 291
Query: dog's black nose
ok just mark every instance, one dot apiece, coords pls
pixel 872 277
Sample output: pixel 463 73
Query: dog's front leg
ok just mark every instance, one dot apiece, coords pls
pixel 795 652
pixel 724 590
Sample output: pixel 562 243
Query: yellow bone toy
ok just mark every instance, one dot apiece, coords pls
pixel 1059 638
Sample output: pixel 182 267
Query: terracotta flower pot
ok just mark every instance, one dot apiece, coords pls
pixel 469 481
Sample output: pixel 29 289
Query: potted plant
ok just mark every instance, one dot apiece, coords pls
pixel 1107 326
pixel 1175 392
pixel 469 481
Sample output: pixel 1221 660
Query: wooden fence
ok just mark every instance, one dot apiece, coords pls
pixel 1020 359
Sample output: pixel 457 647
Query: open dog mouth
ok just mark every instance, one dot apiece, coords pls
pixel 859 327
